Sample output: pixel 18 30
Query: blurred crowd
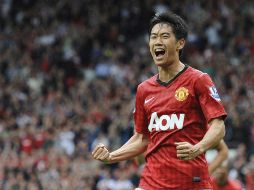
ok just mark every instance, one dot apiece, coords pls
pixel 68 76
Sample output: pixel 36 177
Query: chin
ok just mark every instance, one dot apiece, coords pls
pixel 162 64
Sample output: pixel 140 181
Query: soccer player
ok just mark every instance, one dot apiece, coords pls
pixel 178 116
pixel 222 155
pixel 221 181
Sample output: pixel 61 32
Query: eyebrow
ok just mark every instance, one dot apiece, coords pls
pixel 153 33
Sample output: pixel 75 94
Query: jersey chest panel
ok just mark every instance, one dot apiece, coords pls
pixel 167 101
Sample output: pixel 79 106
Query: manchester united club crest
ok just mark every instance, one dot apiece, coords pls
pixel 181 94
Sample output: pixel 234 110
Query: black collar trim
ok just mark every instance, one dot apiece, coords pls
pixel 170 81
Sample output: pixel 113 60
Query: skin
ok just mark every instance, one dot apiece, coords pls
pixel 221 175
pixel 169 65
pixel 187 151
pixel 163 37
pixel 222 155
pixel 136 145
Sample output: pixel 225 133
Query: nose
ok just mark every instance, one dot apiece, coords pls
pixel 158 40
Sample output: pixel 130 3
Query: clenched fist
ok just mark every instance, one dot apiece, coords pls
pixel 101 153
pixel 187 151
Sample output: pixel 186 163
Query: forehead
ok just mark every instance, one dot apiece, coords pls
pixel 161 27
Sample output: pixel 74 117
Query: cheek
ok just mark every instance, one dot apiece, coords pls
pixel 171 44
pixel 150 48
pixel 171 47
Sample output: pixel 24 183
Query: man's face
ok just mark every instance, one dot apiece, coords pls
pixel 163 45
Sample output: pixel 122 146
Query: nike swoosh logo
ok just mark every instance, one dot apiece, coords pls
pixel 148 100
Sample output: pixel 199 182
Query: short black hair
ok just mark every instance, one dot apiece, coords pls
pixel 179 26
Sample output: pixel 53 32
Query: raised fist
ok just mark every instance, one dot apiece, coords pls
pixel 101 153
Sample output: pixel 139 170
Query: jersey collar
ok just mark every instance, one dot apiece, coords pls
pixel 170 81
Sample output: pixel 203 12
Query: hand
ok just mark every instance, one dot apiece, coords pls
pixel 101 153
pixel 187 151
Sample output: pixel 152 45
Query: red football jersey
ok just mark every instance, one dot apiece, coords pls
pixel 177 111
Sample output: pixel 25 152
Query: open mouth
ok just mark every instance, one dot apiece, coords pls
pixel 159 52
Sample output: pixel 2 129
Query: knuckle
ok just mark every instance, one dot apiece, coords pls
pixel 99 145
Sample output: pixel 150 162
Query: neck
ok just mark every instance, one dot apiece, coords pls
pixel 169 72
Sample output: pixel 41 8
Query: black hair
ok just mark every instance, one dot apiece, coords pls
pixel 179 26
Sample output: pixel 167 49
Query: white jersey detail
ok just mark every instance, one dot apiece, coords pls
pixel 170 122
pixel 214 93
pixel 148 100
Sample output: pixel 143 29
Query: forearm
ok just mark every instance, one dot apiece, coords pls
pixel 217 162
pixel 130 141
pixel 220 157
pixel 213 136
pixel 187 151
pixel 135 146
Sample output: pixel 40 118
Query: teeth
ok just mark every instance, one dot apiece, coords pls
pixel 159 49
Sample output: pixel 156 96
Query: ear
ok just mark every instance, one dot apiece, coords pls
pixel 180 44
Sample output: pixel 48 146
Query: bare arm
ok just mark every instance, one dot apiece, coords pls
pixel 213 136
pixel 136 145
pixel 220 157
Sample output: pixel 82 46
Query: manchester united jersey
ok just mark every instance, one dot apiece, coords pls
pixel 177 111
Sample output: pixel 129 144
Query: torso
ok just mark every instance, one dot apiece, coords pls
pixel 173 114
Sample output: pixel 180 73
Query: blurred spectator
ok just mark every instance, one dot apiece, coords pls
pixel 68 76
pixel 249 174
pixel 221 180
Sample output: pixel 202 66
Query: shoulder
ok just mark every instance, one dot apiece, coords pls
pixel 195 73
pixel 143 88
pixel 147 83
pixel 199 78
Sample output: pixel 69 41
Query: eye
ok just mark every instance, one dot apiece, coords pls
pixel 165 36
pixel 153 37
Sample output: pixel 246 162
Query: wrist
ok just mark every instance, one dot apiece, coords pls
pixel 108 160
pixel 199 148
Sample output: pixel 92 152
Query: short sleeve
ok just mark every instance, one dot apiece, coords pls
pixel 140 118
pixel 209 98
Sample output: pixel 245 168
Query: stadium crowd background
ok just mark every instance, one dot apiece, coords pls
pixel 68 75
